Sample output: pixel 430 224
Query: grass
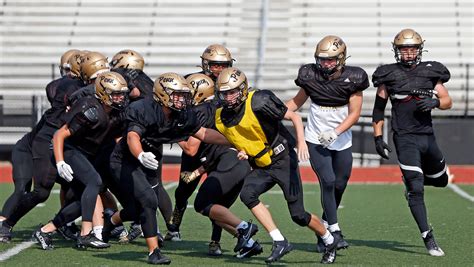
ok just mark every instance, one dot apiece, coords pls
pixel 375 220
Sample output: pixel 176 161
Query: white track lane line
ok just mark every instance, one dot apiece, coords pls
pixel 461 192
pixel 15 250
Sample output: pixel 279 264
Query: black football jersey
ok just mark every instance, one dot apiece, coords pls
pixel 399 80
pixel 89 125
pixel 58 94
pixel 269 110
pixel 139 80
pixel 331 93
pixel 147 118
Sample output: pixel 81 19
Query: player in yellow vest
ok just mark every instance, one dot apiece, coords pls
pixel 251 121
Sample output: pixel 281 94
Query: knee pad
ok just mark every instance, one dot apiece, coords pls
pixel 204 211
pixel 415 196
pixel 302 219
pixel 249 197
pixel 41 195
pixel 148 199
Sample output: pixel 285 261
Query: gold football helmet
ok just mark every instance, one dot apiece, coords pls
pixel 64 66
pixel 215 54
pixel 171 90
pixel 330 47
pixel 74 63
pixel 127 59
pixel 92 64
pixel 408 38
pixel 202 86
pixel 229 80
pixel 111 88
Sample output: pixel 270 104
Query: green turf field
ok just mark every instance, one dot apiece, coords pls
pixel 375 220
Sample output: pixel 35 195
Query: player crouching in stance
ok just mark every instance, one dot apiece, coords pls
pixel 76 145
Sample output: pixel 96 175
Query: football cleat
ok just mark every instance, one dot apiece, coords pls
pixel 247 252
pixel 157 258
pixel 5 233
pixel 90 241
pixel 214 249
pixel 108 226
pixel 279 249
pixel 69 232
pixel 432 246
pixel 329 255
pixel 320 247
pixel 134 232
pixel 244 235
pixel 44 239
pixel 342 244
pixel 173 236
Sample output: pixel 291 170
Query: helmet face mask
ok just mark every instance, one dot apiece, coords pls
pixel 202 87
pixel 111 88
pixel 64 66
pixel 232 88
pixel 171 90
pixel 329 48
pixel 402 43
pixel 127 59
pixel 215 58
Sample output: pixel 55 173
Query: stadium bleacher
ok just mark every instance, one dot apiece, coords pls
pixel 269 39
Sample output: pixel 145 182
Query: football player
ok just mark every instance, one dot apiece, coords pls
pixel 415 88
pixel 335 91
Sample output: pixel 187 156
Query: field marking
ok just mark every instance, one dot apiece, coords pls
pixel 15 250
pixel 170 185
pixel 461 192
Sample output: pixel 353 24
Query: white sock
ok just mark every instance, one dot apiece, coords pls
pixel 328 239
pixel 276 235
pixel 98 231
pixel 334 227
pixel 326 224
pixel 250 243
pixel 242 225
pixel 425 233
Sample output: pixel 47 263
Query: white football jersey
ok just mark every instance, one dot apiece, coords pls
pixel 323 119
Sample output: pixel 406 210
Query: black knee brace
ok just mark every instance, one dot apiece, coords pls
pixel 302 219
pixel 249 197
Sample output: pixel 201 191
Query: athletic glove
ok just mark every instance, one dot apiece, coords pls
pixel 188 177
pixel 327 138
pixel 64 170
pixel 148 160
pixel 427 104
pixel 380 146
pixel 131 74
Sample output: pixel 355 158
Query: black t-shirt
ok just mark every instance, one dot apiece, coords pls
pixel 89 125
pixel 205 113
pixel 399 80
pixel 269 110
pixel 58 94
pixel 331 93
pixel 147 118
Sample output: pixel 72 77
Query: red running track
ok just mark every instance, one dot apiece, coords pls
pixel 383 174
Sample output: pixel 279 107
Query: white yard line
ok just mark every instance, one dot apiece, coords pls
pixel 15 250
pixel 170 185
pixel 461 192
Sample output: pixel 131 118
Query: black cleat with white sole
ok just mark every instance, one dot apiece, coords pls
pixel 279 249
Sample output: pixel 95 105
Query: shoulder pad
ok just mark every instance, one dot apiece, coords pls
pixel 357 75
pixel 381 73
pixel 438 69
pixel 306 72
pixel 91 114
